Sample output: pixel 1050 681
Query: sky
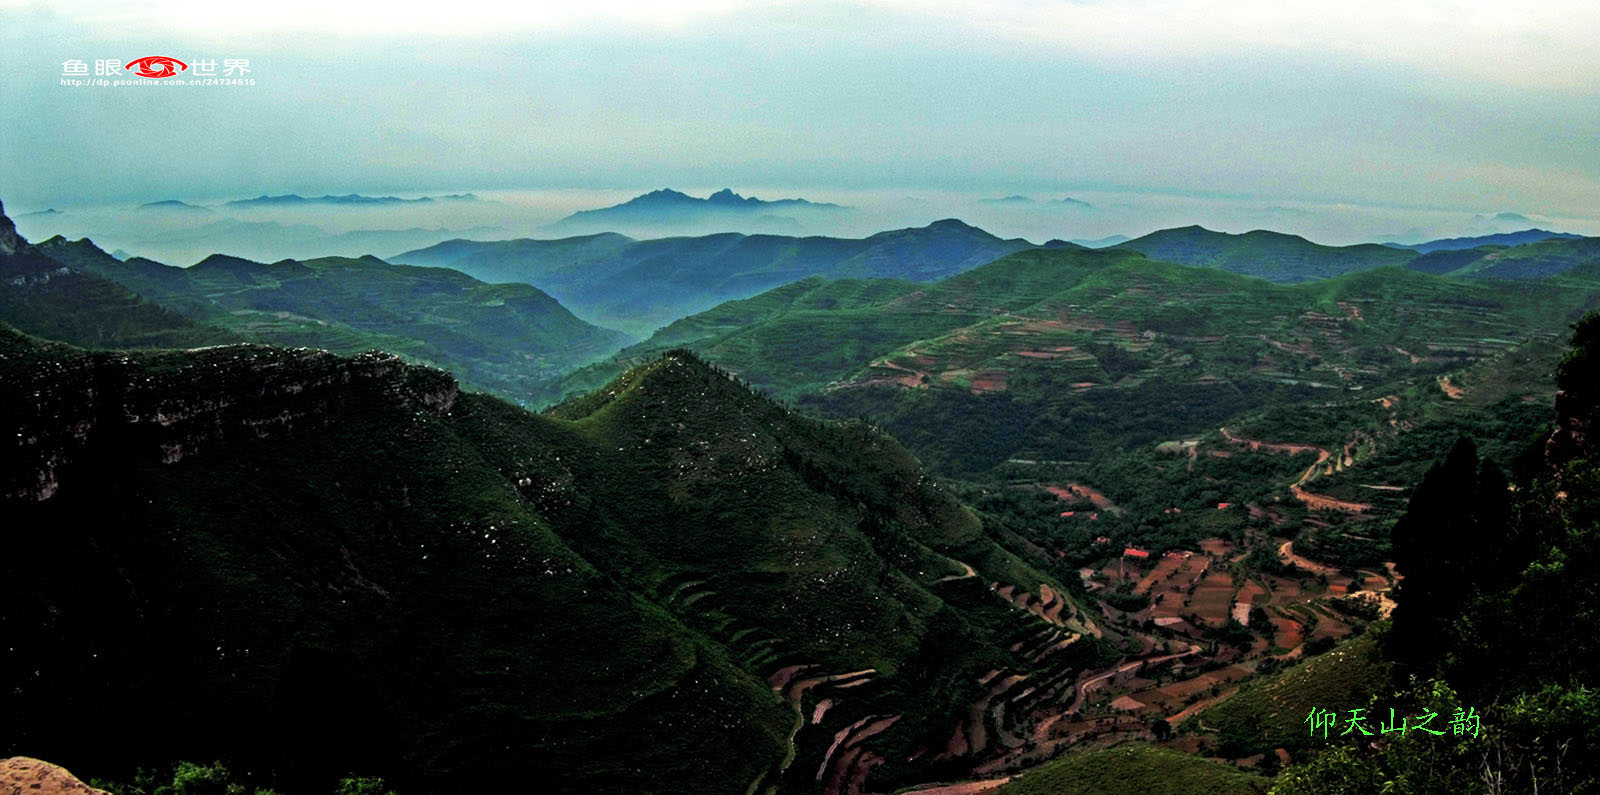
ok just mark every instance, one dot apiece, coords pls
pixel 1346 119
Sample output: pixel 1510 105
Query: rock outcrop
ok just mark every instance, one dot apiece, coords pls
pixel 21 775
pixel 1569 439
pixel 170 406
pixel 9 242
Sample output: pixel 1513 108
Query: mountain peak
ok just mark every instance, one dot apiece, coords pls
pixel 726 196
pixel 675 377
pixel 169 204
pixel 226 262
pixel 82 246
pixel 1015 198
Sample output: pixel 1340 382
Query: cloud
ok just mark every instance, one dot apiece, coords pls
pixel 1536 44
pixel 388 17
pixel 1465 106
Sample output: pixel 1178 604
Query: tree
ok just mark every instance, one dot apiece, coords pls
pixel 1453 541
pixel 1161 729
pixel 362 785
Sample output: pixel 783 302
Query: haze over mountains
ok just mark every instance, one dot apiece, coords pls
pixel 1501 239
pixel 1268 255
pixel 638 286
pixel 307 225
pixel 670 212
pixel 860 397
pixel 692 573
pixel 509 338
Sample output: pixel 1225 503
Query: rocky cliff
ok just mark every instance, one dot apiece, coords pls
pixel 167 406
pixel 8 233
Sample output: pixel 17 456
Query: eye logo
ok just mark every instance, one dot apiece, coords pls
pixel 157 66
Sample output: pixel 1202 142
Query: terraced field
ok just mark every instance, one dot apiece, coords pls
pixel 1169 321
pixel 1172 668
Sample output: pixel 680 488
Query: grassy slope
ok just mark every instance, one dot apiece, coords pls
pixel 42 296
pixel 1268 255
pixel 510 338
pixel 839 575
pixel 1271 712
pixel 1135 770
pixel 1532 260
pixel 1172 352
pixel 468 598
pixel 639 286
pixel 801 336
pixel 370 592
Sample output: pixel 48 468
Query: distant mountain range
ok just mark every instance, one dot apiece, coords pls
pixel 43 296
pixel 174 205
pixel 509 338
pixel 1501 239
pixel 1014 199
pixel 1554 256
pixel 255 237
pixel 1017 200
pixel 638 286
pixel 1530 254
pixel 352 199
pixel 1268 255
pixel 1103 242
pixel 1068 353
pixel 295 200
pixel 309 564
pixel 670 211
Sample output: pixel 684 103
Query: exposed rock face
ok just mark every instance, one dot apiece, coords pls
pixel 9 242
pixel 167 408
pixel 1568 440
pixel 21 775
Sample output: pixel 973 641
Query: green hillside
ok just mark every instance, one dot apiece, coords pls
pixel 640 286
pixel 348 563
pixel 1264 254
pixel 798 338
pixel 1135 770
pixel 43 296
pixel 1078 353
pixel 508 338
pixel 1270 712
pixel 1493 629
pixel 1537 260
pixel 1109 361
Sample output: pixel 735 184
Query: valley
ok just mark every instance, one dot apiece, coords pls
pixel 1134 496
pixel 1127 397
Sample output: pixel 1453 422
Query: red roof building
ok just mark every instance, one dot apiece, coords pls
pixel 1130 552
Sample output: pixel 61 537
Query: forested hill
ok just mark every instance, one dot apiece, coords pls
pixel 309 565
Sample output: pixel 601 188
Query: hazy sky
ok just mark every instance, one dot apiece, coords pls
pixel 1442 106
